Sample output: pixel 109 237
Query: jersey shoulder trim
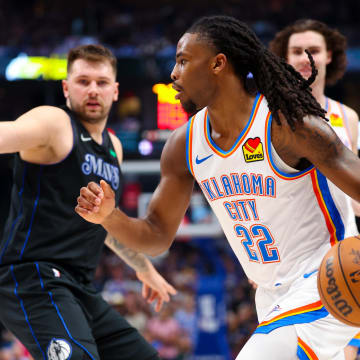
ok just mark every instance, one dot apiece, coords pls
pixel 282 174
pixel 189 144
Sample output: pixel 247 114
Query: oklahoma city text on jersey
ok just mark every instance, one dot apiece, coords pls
pixel 227 186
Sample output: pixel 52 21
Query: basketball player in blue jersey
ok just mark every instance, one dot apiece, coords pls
pixel 328 49
pixel 262 161
pixel 48 253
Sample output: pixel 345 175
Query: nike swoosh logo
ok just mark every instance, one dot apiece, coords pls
pixel 310 273
pixel 83 138
pixel 199 161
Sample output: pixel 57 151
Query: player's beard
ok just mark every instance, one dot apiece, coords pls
pixel 86 116
pixel 189 106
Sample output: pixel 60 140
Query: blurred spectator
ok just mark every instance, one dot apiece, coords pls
pixel 185 314
pixel 11 348
pixel 164 332
pixel 20 352
pixel 6 343
pixel 136 312
pixel 141 28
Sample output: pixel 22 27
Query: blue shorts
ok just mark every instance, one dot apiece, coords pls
pixel 51 312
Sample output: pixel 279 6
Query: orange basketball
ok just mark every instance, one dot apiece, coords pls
pixel 339 281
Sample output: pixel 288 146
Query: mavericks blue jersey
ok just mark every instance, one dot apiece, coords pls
pixel 42 223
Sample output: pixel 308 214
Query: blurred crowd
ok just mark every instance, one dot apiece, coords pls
pixel 140 28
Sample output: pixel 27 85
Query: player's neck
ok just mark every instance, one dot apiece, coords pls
pixel 231 109
pixel 318 92
pixel 95 129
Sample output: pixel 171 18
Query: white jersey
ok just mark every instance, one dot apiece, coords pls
pixel 336 113
pixel 280 223
pixel 338 120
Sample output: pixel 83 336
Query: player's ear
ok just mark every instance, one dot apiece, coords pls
pixel 219 63
pixel 65 88
pixel 116 93
pixel 328 57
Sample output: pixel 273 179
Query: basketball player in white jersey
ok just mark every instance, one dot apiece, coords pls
pixel 328 49
pixel 262 161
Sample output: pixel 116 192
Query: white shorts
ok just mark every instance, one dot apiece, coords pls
pixel 320 335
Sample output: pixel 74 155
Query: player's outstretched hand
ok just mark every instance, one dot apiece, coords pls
pixel 155 288
pixel 95 202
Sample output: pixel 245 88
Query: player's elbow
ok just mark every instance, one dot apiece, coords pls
pixel 160 246
pixel 159 236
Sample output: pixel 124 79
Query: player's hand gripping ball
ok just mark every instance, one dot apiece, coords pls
pixel 339 281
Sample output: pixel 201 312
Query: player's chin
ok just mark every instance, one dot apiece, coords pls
pixel 189 106
pixel 93 117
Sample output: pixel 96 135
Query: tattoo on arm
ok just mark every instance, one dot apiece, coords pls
pixel 319 143
pixel 134 259
pixel 330 146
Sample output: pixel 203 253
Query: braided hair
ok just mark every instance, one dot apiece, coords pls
pixel 284 88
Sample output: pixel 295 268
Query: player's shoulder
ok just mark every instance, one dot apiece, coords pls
pixel 296 138
pixel 181 133
pixel 48 111
pixel 48 119
pixel 173 156
pixel 115 140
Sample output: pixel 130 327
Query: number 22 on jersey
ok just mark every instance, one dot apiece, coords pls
pixel 258 243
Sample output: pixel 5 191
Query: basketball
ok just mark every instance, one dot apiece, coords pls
pixel 339 281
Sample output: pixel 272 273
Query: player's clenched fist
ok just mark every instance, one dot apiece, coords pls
pixel 95 202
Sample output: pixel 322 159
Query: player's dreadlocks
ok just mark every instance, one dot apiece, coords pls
pixel 283 87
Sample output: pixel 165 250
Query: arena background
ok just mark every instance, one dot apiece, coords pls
pixel 214 306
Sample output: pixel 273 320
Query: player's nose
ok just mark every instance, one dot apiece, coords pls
pixel 93 88
pixel 174 73
pixel 304 57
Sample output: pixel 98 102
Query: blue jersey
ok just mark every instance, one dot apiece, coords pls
pixel 42 223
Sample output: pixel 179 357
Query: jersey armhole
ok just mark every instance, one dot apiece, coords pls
pixel 278 166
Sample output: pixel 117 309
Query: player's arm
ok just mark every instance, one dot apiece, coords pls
pixel 139 262
pixel 155 233
pixel 155 287
pixel 316 141
pixel 37 132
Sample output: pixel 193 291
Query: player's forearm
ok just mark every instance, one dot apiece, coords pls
pixel 138 234
pixel 139 262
